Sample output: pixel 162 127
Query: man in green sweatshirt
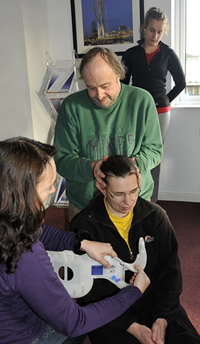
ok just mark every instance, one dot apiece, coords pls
pixel 104 119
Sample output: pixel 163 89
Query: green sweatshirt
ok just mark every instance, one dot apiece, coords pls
pixel 85 132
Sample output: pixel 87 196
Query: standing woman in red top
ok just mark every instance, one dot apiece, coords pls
pixel 148 64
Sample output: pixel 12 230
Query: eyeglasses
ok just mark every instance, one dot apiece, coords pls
pixel 121 195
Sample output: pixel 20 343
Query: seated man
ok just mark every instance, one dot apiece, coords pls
pixel 120 217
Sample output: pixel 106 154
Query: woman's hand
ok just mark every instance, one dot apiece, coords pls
pixel 97 250
pixel 140 279
pixel 158 331
pixel 145 335
pixel 141 332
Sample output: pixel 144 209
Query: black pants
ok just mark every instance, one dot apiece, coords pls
pixel 181 331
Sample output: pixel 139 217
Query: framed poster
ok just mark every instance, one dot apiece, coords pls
pixel 114 24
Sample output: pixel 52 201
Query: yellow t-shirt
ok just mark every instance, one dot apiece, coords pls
pixel 123 224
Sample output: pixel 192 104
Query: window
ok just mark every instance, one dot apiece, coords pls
pixel 186 44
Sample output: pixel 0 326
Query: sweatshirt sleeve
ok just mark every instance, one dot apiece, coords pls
pixel 46 296
pixel 69 162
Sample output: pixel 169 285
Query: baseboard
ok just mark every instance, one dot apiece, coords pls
pixel 167 196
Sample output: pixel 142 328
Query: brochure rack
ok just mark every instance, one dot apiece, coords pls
pixel 59 81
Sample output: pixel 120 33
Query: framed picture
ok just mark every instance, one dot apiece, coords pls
pixel 114 24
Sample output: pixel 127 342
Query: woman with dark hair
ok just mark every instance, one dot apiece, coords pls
pixel 122 218
pixel 147 64
pixel 34 305
pixel 118 166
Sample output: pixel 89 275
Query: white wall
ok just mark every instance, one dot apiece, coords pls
pixel 180 169
pixel 24 42
pixel 29 29
pixel 37 43
pixel 60 29
pixel 16 117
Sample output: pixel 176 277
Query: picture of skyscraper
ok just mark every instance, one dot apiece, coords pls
pixel 98 12
pixel 107 22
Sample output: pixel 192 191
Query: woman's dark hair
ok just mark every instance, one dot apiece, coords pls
pixel 157 14
pixel 22 162
pixel 110 58
pixel 117 166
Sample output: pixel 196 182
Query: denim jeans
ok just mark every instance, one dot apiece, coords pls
pixel 50 336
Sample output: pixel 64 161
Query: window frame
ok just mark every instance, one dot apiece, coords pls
pixel 178 43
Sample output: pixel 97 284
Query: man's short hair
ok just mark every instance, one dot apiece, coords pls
pixel 110 58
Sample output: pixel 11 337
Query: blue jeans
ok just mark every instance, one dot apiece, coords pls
pixel 50 336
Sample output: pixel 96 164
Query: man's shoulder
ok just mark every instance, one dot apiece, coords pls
pixel 72 102
pixel 136 92
pixel 76 95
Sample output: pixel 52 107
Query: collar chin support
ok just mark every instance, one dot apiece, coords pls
pixel 77 272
